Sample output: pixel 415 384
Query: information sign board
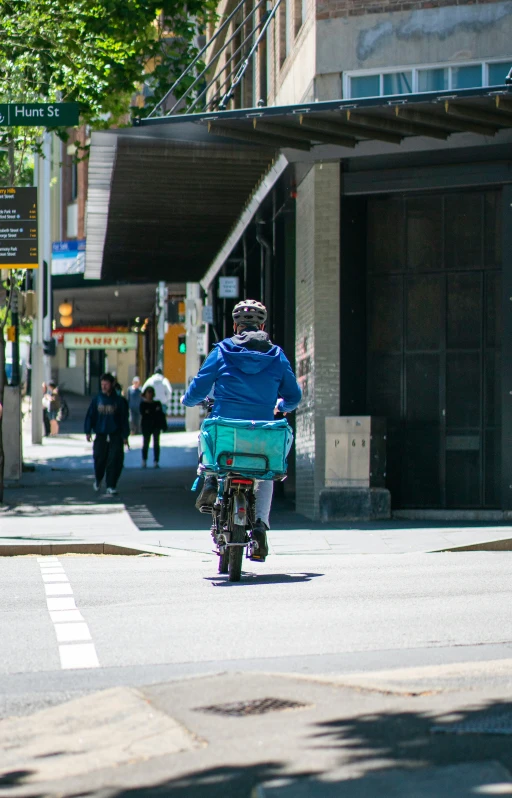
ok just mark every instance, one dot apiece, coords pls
pixel 100 340
pixel 68 257
pixel 228 287
pixel 208 314
pixel 39 114
pixel 18 228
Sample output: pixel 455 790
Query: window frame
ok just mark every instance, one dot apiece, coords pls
pixel 415 69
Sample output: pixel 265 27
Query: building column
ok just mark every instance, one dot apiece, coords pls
pixel 317 326
pixel 506 354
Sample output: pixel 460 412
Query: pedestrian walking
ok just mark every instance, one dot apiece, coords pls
pixel 134 400
pixel 162 387
pixel 46 417
pixel 153 422
pixel 51 402
pixel 107 417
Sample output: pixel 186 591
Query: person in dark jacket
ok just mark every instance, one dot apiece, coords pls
pixel 153 422
pixel 252 379
pixel 107 416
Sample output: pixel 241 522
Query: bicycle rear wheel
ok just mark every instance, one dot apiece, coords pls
pixel 224 562
pixel 236 553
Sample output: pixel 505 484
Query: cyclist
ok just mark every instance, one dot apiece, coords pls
pixel 252 379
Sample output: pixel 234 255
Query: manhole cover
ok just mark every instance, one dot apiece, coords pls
pixel 259 706
pixel 485 724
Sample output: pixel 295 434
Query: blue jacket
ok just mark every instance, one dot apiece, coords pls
pixel 107 415
pixel 134 398
pixel 249 374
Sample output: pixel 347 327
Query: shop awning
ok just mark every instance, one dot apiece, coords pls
pixel 159 209
pixel 168 197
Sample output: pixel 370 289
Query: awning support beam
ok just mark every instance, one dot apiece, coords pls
pixel 257 138
pixel 446 122
pixel 478 114
pixel 396 126
pixel 339 129
pixel 302 134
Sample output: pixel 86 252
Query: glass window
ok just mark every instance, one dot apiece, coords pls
pixel 466 77
pixel 287 28
pixel 398 83
pixel 498 73
pixel 366 86
pixel 433 79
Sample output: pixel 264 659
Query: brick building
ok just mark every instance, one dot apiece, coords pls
pixel 376 227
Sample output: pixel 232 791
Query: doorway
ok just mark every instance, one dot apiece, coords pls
pixel 94 368
pixel 433 344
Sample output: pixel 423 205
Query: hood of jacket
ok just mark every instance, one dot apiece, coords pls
pixel 250 351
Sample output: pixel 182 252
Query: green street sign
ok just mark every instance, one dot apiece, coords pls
pixel 39 114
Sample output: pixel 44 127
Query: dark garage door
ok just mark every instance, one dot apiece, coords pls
pixel 434 306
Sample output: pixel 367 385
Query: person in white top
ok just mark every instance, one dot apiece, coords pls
pixel 162 388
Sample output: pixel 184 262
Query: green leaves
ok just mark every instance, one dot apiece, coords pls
pixel 96 53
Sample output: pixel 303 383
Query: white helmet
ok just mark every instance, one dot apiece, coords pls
pixel 249 311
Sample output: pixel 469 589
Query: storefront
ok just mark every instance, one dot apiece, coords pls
pixel 429 291
pixel 379 235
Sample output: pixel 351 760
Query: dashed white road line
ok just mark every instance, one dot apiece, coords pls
pixel 70 627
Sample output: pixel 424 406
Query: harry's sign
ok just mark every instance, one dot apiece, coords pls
pixel 100 340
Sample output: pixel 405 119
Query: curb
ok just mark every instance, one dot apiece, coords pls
pixel 49 549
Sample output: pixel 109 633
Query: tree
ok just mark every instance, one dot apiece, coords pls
pixel 94 52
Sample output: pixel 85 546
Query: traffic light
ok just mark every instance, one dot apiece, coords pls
pixel 50 347
pixel 182 344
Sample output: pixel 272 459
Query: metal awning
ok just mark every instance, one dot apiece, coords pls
pixel 169 196
pixel 159 209
pixel 347 123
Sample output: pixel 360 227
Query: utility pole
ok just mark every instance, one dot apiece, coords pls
pixel 193 321
pixel 15 323
pixel 40 363
pixel 162 297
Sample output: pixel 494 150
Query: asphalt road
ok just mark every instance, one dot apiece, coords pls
pixel 81 623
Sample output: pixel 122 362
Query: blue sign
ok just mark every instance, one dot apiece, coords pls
pixel 68 257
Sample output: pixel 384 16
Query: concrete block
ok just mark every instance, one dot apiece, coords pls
pixel 355 504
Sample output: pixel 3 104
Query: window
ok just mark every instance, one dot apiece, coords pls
pixel 397 83
pixel 365 86
pixel 287 29
pixel 433 79
pixel 428 78
pixel 304 8
pixel 466 77
pixel 498 73
pixel 283 41
pixel 74 179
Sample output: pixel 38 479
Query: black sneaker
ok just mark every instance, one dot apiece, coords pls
pixel 259 534
pixel 206 498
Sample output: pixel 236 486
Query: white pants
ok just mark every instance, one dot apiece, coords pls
pixel 263 491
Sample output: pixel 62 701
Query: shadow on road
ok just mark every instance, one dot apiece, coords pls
pixel 250 578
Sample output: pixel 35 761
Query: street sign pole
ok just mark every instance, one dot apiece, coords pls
pixel 38 375
pixel 46 248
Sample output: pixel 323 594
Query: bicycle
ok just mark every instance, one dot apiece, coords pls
pixel 238 453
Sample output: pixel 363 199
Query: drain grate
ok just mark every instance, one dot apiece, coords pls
pixel 258 706
pixel 485 724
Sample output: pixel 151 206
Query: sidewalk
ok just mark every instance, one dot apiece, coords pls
pixel 55 504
